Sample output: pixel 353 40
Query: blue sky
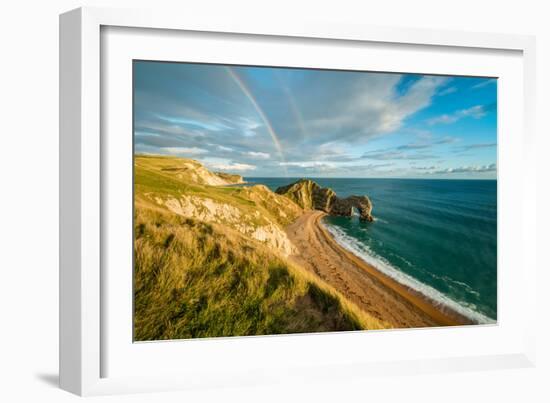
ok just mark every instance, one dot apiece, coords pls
pixel 259 121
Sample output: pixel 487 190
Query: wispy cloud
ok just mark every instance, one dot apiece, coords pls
pixel 305 164
pixel 467 169
pixel 371 107
pixel 447 91
pixel 446 140
pixel 411 151
pixel 258 154
pixel 427 142
pixel 232 167
pixel 223 148
pixel 335 167
pixel 208 124
pixel 476 112
pixel 185 150
pixel 414 146
pixel 396 155
pixel 484 83
pixel 476 146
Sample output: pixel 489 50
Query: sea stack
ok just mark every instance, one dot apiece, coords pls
pixel 310 196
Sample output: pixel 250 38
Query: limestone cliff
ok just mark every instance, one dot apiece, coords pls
pixel 186 188
pixel 310 196
pixel 187 170
pixel 230 178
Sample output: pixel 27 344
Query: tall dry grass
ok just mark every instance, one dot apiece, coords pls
pixel 194 279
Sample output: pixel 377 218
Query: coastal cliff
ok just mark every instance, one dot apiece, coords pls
pixel 212 259
pixel 310 196
pixel 232 179
pixel 188 170
pixel 188 189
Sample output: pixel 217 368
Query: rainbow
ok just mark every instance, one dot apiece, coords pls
pixel 293 106
pixel 246 91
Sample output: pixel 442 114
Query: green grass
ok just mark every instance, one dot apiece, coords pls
pixel 152 179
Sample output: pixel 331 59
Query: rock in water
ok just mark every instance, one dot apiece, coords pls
pixel 310 196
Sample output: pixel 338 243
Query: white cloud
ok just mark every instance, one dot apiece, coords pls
pixel 418 97
pixel 447 91
pixel 249 126
pixel 305 164
pixel 185 150
pixel 258 155
pixel 224 148
pixel 476 112
pixel 467 169
pixel 336 167
pixel 233 167
pixel 484 83
pixel 396 155
pixel 372 107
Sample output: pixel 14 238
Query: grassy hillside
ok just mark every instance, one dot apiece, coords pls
pixel 187 169
pixel 210 261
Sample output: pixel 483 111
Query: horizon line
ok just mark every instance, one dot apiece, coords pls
pixel 382 177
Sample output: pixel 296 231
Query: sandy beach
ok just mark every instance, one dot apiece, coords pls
pixel 371 290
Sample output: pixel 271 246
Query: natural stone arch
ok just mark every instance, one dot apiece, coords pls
pixel 310 196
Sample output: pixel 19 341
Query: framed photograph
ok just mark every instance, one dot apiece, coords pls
pixel 238 197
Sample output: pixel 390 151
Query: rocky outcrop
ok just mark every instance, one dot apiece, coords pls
pixel 310 196
pixel 230 178
pixel 212 211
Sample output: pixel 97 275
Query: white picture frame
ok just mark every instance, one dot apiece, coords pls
pixel 85 171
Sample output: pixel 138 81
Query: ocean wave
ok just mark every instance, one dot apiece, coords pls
pixel 381 264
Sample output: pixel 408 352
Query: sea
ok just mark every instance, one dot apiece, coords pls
pixel 438 237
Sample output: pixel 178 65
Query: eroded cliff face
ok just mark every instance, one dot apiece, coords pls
pixel 262 229
pixel 186 188
pixel 230 178
pixel 310 196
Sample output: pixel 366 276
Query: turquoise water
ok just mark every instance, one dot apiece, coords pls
pixel 437 236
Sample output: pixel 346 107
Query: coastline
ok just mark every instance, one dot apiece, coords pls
pixel 373 291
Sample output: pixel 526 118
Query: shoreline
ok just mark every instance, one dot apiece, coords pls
pixel 373 291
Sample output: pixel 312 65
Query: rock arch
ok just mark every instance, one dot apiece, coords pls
pixel 310 196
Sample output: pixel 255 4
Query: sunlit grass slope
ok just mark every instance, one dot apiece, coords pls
pixel 207 278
